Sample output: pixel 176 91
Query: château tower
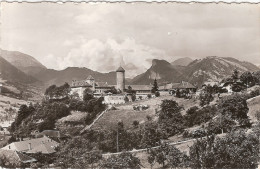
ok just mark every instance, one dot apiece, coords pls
pixel 120 79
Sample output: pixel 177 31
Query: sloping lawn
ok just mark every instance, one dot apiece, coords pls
pixel 110 119
pixel 127 115
pixel 254 108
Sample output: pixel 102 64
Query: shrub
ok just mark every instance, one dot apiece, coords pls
pixel 135 123
pixel 133 97
pixel 149 96
pixel 157 94
pixel 126 99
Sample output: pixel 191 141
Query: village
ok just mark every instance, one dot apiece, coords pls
pixel 20 150
pixel 130 85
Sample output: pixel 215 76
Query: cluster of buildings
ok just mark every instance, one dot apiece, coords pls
pixel 141 91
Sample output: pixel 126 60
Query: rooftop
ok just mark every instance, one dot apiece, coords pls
pixel 24 146
pixel 120 69
pixel 182 85
pixel 140 87
pixel 15 157
pixel 81 83
pixel 90 77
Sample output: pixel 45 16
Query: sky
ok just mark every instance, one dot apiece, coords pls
pixel 103 36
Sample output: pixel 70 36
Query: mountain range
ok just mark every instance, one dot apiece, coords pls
pixel 211 68
pixel 16 66
pixel 23 62
pixel 11 73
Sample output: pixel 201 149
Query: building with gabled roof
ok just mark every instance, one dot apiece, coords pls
pixel 25 146
pixel 44 148
pixel 98 88
pixel 14 158
pixel 53 134
pixel 182 86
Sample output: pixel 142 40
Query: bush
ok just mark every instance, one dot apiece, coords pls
pixel 135 123
pixel 205 98
pixel 157 94
pixel 133 97
pixel 123 160
pixel 126 99
pixel 149 96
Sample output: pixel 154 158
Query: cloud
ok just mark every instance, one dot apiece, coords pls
pixel 105 56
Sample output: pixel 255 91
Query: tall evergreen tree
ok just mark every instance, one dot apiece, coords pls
pixel 155 86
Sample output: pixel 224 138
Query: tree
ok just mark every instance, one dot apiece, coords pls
pixel 175 158
pixel 23 112
pixel 170 118
pixel 126 99
pixel 256 76
pixel 235 150
pixel 87 95
pixel 157 94
pixel 123 160
pixel 248 79
pixel 178 93
pixel 135 123
pixel 149 96
pixel 155 86
pixel 92 157
pixel 112 90
pixel 151 135
pixel 74 153
pixel 222 123
pixel 236 107
pixel 205 98
pixel 235 75
pixel 133 97
pixel 151 158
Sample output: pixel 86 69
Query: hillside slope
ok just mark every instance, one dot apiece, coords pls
pixel 23 62
pixel 11 73
pixel 59 77
pixel 214 69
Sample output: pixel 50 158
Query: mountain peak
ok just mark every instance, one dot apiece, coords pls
pixel 157 62
pixel 185 61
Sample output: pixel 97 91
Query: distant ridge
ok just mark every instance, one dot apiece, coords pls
pixel 211 68
pixel 182 61
pixel 11 73
pixel 23 62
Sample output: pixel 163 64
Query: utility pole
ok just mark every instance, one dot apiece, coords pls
pixel 117 147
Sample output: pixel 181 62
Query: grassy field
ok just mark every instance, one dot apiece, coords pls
pixel 127 115
pixel 254 108
pixel 75 116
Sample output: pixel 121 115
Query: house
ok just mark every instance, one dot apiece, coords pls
pixel 211 84
pixel 53 134
pixel 230 84
pixel 32 145
pixel 183 86
pixel 142 90
pixel 114 99
pixel 12 158
pixel 98 88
